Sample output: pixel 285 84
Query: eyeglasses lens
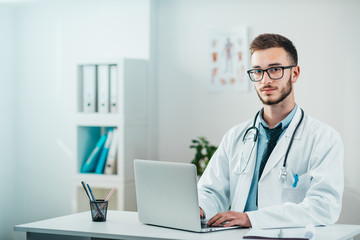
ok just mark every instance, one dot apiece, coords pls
pixel 258 74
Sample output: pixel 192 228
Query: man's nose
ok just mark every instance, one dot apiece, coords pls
pixel 266 79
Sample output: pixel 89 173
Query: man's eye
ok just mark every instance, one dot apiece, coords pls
pixel 275 70
pixel 257 71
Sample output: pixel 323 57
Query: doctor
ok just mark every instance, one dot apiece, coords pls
pixel 282 168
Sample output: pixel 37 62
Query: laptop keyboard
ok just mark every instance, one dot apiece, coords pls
pixel 204 225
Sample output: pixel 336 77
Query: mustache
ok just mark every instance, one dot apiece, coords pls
pixel 267 87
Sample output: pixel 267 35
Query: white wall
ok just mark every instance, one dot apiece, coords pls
pixel 50 39
pixel 327 37
pixel 46 40
pixel 6 122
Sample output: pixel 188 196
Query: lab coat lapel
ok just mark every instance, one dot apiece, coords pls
pixel 244 181
pixel 278 154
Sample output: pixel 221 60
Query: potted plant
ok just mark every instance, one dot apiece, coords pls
pixel 203 154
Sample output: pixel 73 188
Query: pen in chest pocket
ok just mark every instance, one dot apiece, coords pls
pixel 296 180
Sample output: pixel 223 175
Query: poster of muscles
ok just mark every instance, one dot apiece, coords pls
pixel 228 54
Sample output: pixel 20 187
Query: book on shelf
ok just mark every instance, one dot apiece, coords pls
pixel 113 89
pixel 104 153
pixel 91 162
pixel 110 165
pixel 103 88
pixel 89 88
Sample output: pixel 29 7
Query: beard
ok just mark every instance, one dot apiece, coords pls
pixel 283 94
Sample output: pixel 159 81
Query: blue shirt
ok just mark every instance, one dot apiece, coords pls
pixel 261 149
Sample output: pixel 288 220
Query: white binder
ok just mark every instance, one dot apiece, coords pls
pixel 89 88
pixel 103 88
pixel 113 89
pixel 110 166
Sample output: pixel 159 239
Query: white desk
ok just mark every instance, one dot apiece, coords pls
pixel 125 225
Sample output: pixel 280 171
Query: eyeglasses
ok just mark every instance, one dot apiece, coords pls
pixel 275 73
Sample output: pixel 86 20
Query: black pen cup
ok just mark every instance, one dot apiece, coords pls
pixel 98 210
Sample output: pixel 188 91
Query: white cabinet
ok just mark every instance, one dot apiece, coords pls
pixel 131 120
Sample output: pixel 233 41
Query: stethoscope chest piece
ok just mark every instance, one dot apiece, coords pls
pixel 283 174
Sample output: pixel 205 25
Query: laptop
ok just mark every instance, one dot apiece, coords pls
pixel 167 196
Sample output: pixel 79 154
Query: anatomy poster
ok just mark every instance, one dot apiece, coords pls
pixel 229 60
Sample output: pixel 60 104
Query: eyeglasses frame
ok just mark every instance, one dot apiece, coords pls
pixel 266 70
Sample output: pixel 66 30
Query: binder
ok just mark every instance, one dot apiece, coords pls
pixel 89 88
pixel 110 166
pixel 103 88
pixel 113 89
pixel 90 164
pixel 104 152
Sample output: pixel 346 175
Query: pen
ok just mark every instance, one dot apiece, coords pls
pixel 97 206
pixel 109 195
pixel 83 184
pixel 296 179
pixel 107 199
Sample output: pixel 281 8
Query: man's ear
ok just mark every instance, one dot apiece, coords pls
pixel 295 74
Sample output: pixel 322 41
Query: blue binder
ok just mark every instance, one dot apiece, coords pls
pixel 104 152
pixel 90 164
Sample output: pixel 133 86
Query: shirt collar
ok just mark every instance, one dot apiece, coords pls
pixel 285 122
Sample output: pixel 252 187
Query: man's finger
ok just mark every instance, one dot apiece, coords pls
pixel 213 219
pixel 230 223
pixel 218 219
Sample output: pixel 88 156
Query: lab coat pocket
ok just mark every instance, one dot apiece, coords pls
pixel 294 190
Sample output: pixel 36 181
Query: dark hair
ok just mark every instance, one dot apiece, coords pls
pixel 269 40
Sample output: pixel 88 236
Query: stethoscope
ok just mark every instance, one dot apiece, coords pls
pixel 283 171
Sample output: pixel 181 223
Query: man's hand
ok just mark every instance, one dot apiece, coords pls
pixel 201 213
pixel 231 218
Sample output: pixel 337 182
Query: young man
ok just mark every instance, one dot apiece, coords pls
pixel 282 169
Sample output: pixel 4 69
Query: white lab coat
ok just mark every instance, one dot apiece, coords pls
pixel 316 155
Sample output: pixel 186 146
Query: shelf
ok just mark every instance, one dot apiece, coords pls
pixel 98 119
pixel 108 120
pixel 130 118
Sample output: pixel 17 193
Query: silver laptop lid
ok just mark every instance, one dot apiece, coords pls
pixel 167 195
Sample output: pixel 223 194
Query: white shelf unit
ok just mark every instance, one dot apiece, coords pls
pixel 131 119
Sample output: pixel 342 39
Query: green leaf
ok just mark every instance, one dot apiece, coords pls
pixel 201 159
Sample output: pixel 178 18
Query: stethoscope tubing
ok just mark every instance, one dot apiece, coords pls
pixel 253 127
